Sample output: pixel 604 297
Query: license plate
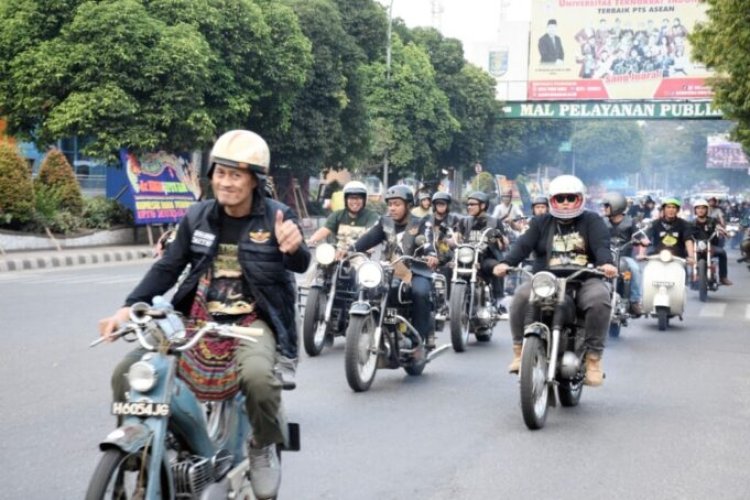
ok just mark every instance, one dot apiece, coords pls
pixel 141 409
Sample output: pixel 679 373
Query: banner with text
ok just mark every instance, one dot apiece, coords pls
pixel 723 153
pixel 157 187
pixel 615 49
pixel 650 110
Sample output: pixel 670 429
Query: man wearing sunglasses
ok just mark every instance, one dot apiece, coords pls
pixel 567 235
pixel 471 228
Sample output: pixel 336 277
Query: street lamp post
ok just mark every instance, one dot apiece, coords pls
pixel 388 84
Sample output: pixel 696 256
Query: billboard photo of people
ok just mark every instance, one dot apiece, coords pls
pixel 638 51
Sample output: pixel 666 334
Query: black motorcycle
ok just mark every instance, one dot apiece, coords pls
pixel 328 300
pixel 553 346
pixel 705 267
pixel 380 335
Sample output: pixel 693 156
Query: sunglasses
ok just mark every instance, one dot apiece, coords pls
pixel 562 198
pixel 472 204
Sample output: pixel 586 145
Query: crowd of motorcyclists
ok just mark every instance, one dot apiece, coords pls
pixel 243 247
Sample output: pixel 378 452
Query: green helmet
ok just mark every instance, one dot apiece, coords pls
pixel 671 201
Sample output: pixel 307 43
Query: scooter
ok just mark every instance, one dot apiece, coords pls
pixel 664 290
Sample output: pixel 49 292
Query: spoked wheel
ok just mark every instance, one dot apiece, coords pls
pixel 314 326
pixel 534 388
pixel 702 280
pixel 121 476
pixel 361 355
pixel 569 392
pixel 662 314
pixel 459 317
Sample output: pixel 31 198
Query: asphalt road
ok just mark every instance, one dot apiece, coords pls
pixel 670 422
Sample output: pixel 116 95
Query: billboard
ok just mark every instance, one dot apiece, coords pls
pixel 722 153
pixel 157 187
pixel 615 49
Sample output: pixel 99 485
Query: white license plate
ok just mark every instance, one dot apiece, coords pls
pixel 141 409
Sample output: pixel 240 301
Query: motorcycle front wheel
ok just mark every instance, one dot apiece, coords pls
pixel 120 476
pixel 360 355
pixel 702 280
pixel 662 314
pixel 534 387
pixel 314 327
pixel 569 392
pixel 459 317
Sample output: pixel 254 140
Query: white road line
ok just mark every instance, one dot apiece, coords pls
pixel 747 311
pixel 713 310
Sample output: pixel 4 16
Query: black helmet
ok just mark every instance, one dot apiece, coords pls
pixel 481 197
pixel 400 191
pixel 616 201
pixel 540 200
pixel 441 196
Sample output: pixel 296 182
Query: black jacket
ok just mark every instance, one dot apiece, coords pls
pixel 265 269
pixel 387 231
pixel 493 254
pixel 539 236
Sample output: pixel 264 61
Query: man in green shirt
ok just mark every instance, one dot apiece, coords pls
pixel 349 223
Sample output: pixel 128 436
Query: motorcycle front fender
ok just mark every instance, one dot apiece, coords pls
pixel 129 438
pixel 661 299
pixel 360 309
pixel 537 330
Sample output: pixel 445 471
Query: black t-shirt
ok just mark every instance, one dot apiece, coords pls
pixel 670 235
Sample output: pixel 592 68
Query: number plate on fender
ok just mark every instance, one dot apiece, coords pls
pixel 141 409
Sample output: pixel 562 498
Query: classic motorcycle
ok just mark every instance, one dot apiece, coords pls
pixel 169 444
pixel 472 308
pixel 553 345
pixel 734 232
pixel 705 267
pixel 328 300
pixel 664 287
pixel 621 290
pixel 379 334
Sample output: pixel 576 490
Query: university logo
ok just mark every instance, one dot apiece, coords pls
pixel 498 62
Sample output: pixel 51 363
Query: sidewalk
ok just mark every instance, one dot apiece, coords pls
pixel 44 259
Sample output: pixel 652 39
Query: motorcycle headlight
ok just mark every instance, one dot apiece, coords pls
pixel 544 284
pixel 466 255
pixel 665 256
pixel 142 376
pixel 370 274
pixel 325 253
pixel 702 246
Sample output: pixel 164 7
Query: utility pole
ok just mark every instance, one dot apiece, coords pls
pixel 388 84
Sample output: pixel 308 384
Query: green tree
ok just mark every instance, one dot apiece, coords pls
pixel 16 190
pixel 367 22
pixel 721 44
pixel 57 176
pixel 604 149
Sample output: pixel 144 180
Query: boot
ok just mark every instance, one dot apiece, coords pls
pixel 515 365
pixel 430 342
pixel 594 374
pixel 726 281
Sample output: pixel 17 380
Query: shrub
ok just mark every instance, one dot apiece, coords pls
pixel 56 173
pixel 16 189
pixel 101 213
pixel 484 182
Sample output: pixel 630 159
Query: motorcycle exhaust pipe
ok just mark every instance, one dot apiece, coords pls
pixel 437 352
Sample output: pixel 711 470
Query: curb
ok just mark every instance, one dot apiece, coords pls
pixel 72 259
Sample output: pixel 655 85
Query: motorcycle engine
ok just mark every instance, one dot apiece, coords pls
pixel 192 475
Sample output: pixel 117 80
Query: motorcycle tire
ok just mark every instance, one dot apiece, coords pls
pixel 614 329
pixel 118 475
pixel 569 393
pixel 417 367
pixel 459 317
pixel 360 356
pixel 662 315
pixel 533 383
pixel 312 339
pixel 702 280
pixel 484 335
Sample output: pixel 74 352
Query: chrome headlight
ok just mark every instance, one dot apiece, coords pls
pixel 702 246
pixel 142 376
pixel 665 256
pixel 544 284
pixel 465 255
pixel 325 253
pixel 370 274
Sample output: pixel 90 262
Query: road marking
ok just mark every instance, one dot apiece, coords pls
pixel 747 311
pixel 714 310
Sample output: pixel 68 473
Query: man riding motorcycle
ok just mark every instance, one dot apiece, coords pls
pixel 568 234
pixel 703 227
pixel 471 227
pixel 539 206
pixel 621 227
pixel 349 223
pixel 424 205
pixel 670 232
pixel 445 230
pixel 506 212
pixel 242 248
pixel 399 230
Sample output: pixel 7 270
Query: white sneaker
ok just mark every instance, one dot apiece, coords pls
pixel 265 471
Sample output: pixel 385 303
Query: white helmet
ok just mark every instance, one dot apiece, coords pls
pixel 242 150
pixel 566 188
pixel 355 188
pixel 700 202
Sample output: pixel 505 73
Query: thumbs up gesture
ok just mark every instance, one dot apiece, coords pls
pixel 287 234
